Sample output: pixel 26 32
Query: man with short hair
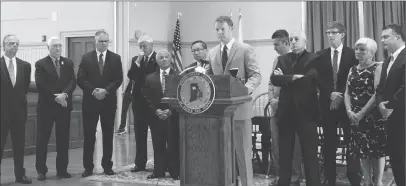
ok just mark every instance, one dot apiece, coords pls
pixel 281 44
pixel 333 66
pixel 15 82
pixel 390 97
pixel 56 81
pixel 100 74
pixel 227 55
pixel 164 121
pixel 141 66
pixel 199 52
pixel 297 110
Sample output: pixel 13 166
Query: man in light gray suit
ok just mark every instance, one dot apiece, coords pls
pixel 233 54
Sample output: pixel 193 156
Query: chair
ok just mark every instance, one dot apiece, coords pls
pixel 260 133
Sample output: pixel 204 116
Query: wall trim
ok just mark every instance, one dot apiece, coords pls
pixel 248 41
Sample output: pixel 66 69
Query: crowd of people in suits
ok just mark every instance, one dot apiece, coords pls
pixel 338 87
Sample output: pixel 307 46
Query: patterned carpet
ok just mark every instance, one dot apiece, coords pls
pixel 124 175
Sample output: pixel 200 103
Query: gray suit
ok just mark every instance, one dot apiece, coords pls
pixel 241 56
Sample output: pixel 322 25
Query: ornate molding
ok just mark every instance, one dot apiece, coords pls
pixel 248 41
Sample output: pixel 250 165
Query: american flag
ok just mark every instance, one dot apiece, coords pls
pixel 176 47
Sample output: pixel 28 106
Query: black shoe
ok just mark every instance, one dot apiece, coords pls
pixel 87 173
pixel 175 177
pixel 23 180
pixel 109 172
pixel 41 177
pixel 64 175
pixel 153 176
pixel 121 131
pixel 137 169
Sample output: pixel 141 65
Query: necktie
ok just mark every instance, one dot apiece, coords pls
pixel 57 68
pixel 335 68
pixel 163 81
pixel 11 72
pixel 389 65
pixel 144 62
pixel 224 57
pixel 101 63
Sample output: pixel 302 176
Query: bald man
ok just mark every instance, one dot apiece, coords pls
pixel 297 109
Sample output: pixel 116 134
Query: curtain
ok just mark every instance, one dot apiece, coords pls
pixel 378 14
pixel 319 14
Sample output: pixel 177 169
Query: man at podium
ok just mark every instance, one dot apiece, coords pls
pixel 231 54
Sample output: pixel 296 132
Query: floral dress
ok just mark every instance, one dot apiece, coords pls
pixel 368 139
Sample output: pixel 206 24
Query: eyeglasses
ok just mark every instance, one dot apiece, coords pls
pixel 103 41
pixel 332 32
pixel 197 50
pixel 13 43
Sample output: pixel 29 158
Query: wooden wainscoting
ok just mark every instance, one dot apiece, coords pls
pixel 76 127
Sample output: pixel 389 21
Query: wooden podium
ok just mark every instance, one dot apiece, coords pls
pixel 207 155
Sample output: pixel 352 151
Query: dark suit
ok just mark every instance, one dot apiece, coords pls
pixel 89 78
pixel 138 75
pixel 392 89
pixel 127 99
pixel 163 132
pixel 49 111
pixel 331 119
pixel 14 111
pixel 298 113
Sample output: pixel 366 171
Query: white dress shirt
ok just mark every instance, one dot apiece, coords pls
pixel 340 51
pixel 394 55
pixel 229 45
pixel 7 60
pixel 104 56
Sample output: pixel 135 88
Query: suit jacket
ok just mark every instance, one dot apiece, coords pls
pixel 325 74
pixel 299 96
pixel 392 86
pixel 89 78
pixel 49 83
pixel 241 56
pixel 138 74
pixel 153 91
pixel 205 65
pixel 14 98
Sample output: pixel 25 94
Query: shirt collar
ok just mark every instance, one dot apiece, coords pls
pixel 104 53
pixel 397 52
pixel 167 70
pixel 8 59
pixel 53 59
pixel 229 44
pixel 339 49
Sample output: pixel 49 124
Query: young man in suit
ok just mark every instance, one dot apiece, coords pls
pixel 164 122
pixel 15 82
pixel 333 66
pixel 100 74
pixel 282 47
pixel 141 66
pixel 297 110
pixel 390 97
pixel 233 54
pixel 56 81
pixel 199 52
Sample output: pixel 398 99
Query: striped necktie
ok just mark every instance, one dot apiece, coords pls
pixel 11 72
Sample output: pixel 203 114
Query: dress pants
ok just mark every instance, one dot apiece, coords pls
pixel 141 115
pixel 127 99
pixel 15 123
pixel 307 132
pixel 243 144
pixel 330 122
pixel 297 153
pixel 45 123
pixel 396 146
pixel 90 120
pixel 165 141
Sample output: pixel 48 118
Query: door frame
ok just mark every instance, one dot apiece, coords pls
pixel 65 35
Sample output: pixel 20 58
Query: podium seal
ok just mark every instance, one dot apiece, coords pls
pixel 195 92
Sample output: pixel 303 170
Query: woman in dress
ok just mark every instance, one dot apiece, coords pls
pixel 368 137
